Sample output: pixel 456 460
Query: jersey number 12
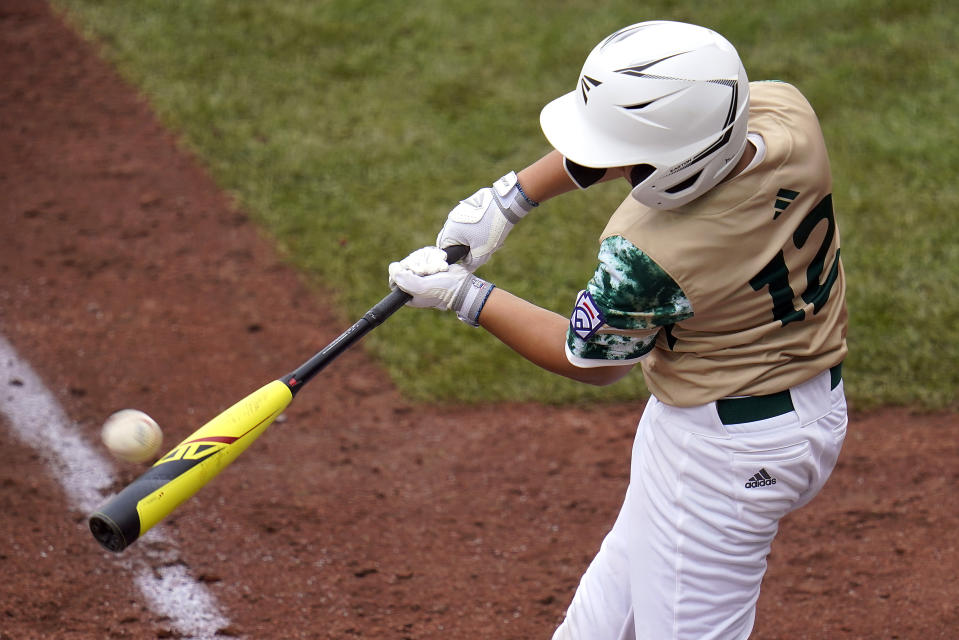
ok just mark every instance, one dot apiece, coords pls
pixel 775 275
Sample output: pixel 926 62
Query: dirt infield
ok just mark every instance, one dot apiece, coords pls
pixel 128 279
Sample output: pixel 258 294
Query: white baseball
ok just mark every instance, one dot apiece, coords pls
pixel 132 435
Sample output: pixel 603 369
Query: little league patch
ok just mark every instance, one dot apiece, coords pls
pixel 586 318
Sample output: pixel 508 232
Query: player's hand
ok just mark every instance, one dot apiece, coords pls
pixel 482 221
pixel 425 275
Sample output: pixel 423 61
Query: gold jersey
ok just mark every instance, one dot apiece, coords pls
pixel 758 260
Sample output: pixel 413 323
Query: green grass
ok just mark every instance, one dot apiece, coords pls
pixel 348 130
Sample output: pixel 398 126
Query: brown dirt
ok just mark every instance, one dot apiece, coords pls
pixel 128 279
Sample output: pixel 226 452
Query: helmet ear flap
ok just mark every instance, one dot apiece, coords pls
pixel 685 184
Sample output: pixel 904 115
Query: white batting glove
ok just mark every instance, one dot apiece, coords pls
pixel 434 284
pixel 483 221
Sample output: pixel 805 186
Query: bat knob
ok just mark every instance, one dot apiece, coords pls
pixel 107 533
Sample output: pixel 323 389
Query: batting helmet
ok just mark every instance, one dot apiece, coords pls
pixel 667 98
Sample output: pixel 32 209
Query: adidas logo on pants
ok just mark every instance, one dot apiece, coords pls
pixel 761 479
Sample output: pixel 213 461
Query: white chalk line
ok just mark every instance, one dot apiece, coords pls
pixel 38 420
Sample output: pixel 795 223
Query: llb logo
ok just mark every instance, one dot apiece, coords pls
pixel 586 318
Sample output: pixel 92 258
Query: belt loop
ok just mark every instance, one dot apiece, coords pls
pixel 835 376
pixel 812 399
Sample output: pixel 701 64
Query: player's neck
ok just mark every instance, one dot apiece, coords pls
pixel 749 153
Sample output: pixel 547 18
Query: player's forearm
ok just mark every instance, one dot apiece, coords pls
pixel 539 335
pixel 547 177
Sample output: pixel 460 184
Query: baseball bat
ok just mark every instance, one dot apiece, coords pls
pixel 190 465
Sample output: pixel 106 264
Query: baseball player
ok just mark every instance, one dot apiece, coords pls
pixel 720 275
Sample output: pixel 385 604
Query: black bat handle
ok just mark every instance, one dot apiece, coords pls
pixel 456 253
pixel 373 318
pixel 397 297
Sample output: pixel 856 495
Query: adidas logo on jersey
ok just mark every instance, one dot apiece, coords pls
pixel 761 479
pixel 784 198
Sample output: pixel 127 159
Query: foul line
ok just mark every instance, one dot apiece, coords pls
pixel 38 420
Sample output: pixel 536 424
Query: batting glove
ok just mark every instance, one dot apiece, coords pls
pixel 483 221
pixel 434 284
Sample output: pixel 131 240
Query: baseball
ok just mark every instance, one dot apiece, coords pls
pixel 132 435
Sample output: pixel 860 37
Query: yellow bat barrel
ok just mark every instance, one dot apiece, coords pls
pixel 191 464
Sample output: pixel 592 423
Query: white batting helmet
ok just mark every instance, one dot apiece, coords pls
pixel 669 98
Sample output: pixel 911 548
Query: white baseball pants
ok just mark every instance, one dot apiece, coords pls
pixel 686 555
